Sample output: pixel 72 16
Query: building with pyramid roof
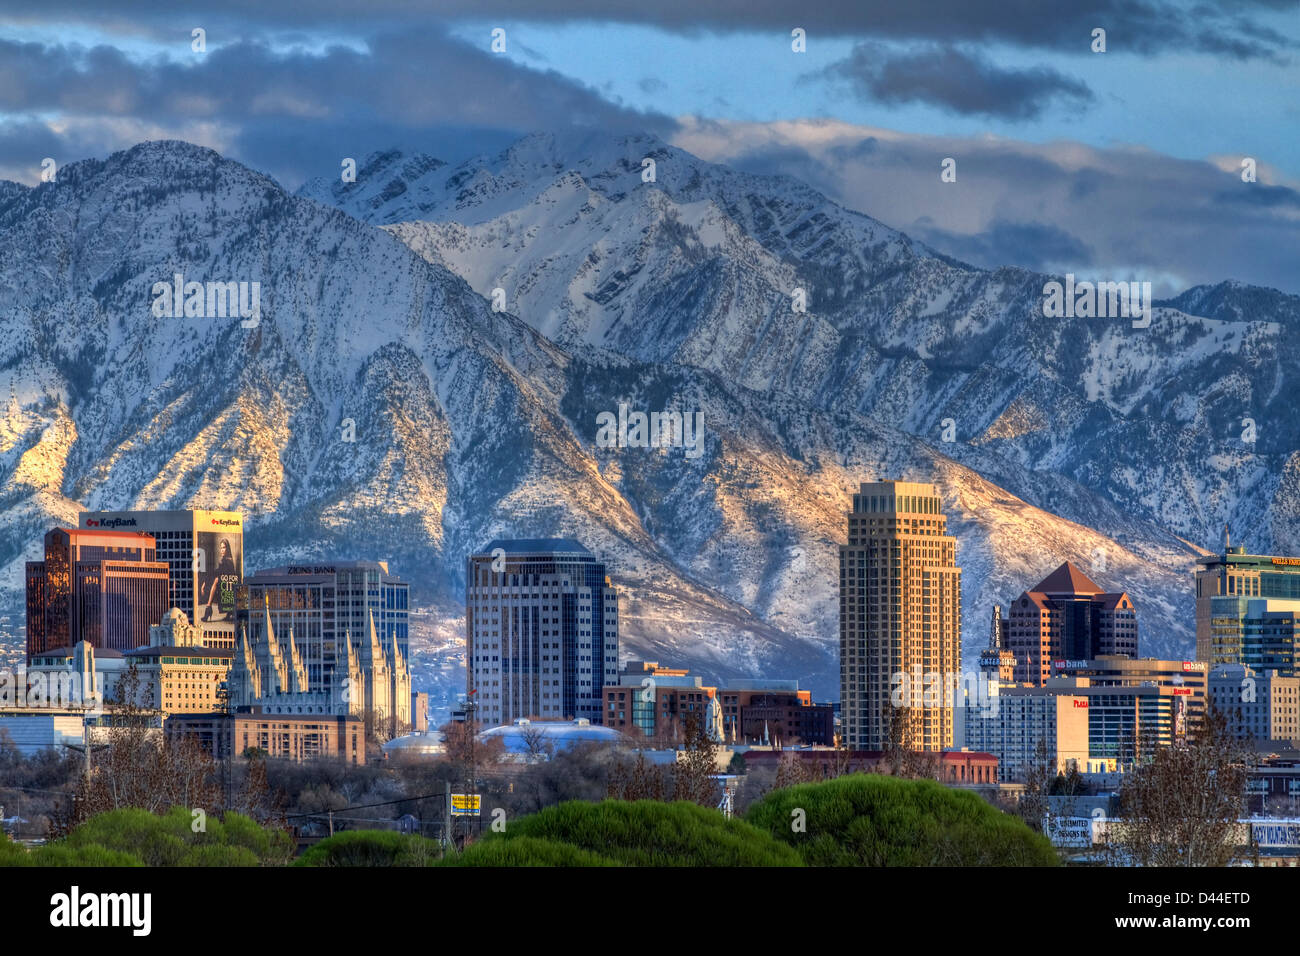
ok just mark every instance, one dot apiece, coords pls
pixel 1068 617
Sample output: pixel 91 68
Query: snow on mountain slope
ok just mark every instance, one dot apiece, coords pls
pixel 472 423
pixel 699 267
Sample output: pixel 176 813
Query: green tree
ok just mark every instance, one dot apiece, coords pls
pixel 372 848
pixel 644 833
pixel 876 820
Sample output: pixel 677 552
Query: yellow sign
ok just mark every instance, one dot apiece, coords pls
pixel 465 804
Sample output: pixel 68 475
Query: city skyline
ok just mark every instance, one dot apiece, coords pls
pixel 595 434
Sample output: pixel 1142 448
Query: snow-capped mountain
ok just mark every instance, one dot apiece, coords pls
pixel 1080 440
pixel 699 267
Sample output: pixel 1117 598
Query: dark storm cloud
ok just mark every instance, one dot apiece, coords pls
pixel 1055 206
pixel 955 80
pixel 1266 197
pixel 402 77
pixel 1031 245
pixel 275 107
pixel 1142 26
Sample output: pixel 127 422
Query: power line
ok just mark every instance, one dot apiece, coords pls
pixel 366 806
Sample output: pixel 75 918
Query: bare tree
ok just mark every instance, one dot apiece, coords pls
pixel 1181 805
pixel 537 744
pixel 900 757
pixel 638 780
pixel 696 765
pixel 792 770
pixel 458 738
pixel 1034 807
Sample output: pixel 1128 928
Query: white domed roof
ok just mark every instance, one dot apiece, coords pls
pixel 430 742
pixel 558 733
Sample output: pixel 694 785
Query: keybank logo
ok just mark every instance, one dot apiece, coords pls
pixel 226 522
pixel 110 522
pixel 208 300
pixel 75 909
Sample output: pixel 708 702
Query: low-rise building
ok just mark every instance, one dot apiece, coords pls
pixel 774 711
pixel 955 767
pixel 296 737
pixel 1259 706
pixel 173 679
pixel 33 729
pixel 654 702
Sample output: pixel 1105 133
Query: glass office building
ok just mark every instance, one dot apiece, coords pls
pixel 541 623
pixel 322 603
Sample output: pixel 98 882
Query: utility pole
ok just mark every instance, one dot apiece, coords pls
pixel 85 735
pixel 223 695
pixel 471 705
pixel 446 820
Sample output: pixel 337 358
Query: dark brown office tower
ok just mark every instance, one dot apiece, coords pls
pixel 102 587
pixel 1068 617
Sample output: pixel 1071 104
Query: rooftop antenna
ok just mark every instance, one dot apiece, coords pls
pixel 1227 538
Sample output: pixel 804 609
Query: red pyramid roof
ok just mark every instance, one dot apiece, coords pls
pixel 1067 579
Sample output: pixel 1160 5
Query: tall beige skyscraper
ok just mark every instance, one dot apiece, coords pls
pixel 900 619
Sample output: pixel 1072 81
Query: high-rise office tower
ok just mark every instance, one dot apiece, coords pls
pixel 1067 616
pixel 323 601
pixel 205 553
pixel 1243 604
pixel 541 631
pixel 1261 633
pixel 103 587
pixel 900 619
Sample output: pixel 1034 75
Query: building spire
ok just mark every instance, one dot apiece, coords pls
pixel 1227 538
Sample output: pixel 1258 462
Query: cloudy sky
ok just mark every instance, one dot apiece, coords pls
pixel 1122 164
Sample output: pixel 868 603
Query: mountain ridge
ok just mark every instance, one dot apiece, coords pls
pixel 472 423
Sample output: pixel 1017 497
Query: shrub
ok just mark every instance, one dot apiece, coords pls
pixel 134 831
pixel 11 853
pixel 171 840
pixel 648 833
pixel 524 851
pixel 55 854
pixel 873 820
pixel 267 844
pixel 372 848
pixel 214 854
